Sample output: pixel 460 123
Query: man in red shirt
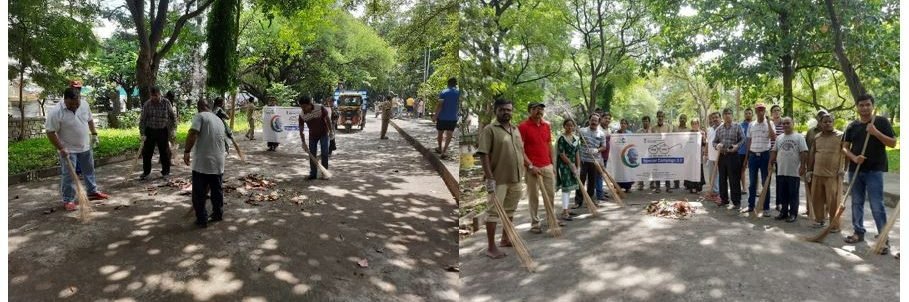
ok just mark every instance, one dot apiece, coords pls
pixel 537 136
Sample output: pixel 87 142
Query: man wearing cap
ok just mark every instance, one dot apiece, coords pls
pixel 761 135
pixel 537 137
pixel 68 125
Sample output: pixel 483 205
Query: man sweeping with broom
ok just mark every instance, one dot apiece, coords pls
pixel 873 164
pixel 68 126
pixel 501 153
pixel 206 143
pixel 318 120
pixel 537 138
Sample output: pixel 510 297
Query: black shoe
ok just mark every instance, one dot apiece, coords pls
pixel 201 224
pixel 215 218
pixel 791 219
pixel 781 217
pixel 143 177
pixel 384 137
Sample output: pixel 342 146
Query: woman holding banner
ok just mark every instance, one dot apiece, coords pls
pixel 623 129
pixel 691 186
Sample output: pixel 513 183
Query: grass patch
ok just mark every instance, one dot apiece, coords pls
pixel 38 153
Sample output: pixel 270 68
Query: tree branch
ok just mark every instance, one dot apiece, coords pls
pixel 178 26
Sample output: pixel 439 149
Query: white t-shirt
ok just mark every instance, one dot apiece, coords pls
pixel 712 153
pixel 788 147
pixel 210 146
pixel 71 127
pixel 758 134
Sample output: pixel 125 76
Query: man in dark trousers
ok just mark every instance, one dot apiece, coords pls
pixel 317 119
pixel 205 145
pixel 729 138
pixel 870 177
pixel 446 117
pixel 157 125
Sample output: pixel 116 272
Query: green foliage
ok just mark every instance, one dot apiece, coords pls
pixel 47 40
pixel 893 160
pixel 286 95
pixel 129 119
pixel 222 36
pixel 39 153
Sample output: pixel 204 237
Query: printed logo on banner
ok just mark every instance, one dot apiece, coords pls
pixel 276 124
pixel 630 155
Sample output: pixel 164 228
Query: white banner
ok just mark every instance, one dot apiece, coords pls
pixel 281 124
pixel 655 156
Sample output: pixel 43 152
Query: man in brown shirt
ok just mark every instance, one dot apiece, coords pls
pixel 825 171
pixel 501 153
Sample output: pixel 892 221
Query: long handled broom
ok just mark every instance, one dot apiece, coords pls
pixel 516 241
pixel 591 207
pixel 879 245
pixel 602 171
pixel 132 167
pixel 85 207
pixel 615 186
pixel 550 211
pixel 842 208
pixel 759 208
pixel 322 171
pixel 809 187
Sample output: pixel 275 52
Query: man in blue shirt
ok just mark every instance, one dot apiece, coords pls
pixel 446 117
pixel 743 151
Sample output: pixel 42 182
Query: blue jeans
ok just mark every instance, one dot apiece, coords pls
pixel 871 182
pixel 757 161
pixel 787 195
pixel 323 142
pixel 598 178
pixel 87 163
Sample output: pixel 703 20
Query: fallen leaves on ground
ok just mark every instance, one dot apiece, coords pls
pixel 363 263
pixel 669 209
pixel 257 198
pixel 257 182
pixel 152 191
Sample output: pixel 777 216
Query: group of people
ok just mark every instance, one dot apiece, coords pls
pixel 400 108
pixel 764 145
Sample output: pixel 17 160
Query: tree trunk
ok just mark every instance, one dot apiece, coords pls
pixel 21 105
pixel 852 80
pixel 146 74
pixel 592 102
pixel 787 70
pixel 233 108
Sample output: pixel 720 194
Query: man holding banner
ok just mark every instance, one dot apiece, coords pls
pixel 728 138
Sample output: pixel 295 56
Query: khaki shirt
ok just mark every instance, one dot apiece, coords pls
pixel 386 109
pixel 666 128
pixel 505 150
pixel 828 154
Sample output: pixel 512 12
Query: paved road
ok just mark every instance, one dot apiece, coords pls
pixel 385 204
pixel 717 255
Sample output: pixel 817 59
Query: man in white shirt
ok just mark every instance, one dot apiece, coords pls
pixel 206 143
pixel 712 153
pixel 68 125
pixel 761 135
pixel 790 153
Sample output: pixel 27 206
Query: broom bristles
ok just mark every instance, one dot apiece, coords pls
pixel 760 202
pixel 85 207
pixel 516 241
pixel 879 245
pixel 132 167
pixel 551 219
pixel 616 192
pixel 589 202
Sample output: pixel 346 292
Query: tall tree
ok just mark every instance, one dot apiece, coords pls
pixel 151 24
pixel 44 37
pixel 610 33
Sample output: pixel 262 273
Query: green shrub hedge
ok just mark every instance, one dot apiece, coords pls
pixel 38 153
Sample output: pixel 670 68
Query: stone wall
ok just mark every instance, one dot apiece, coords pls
pixel 34 126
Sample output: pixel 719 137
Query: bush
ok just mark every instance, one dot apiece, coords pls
pixel 129 119
pixel 39 153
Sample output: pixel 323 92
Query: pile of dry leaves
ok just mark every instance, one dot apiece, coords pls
pixel 256 182
pixel 670 209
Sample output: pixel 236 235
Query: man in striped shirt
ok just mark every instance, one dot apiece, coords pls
pixel 761 136
pixel 157 126
pixel 729 137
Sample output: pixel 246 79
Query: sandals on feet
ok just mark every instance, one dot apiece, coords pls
pixel 536 229
pixel 854 238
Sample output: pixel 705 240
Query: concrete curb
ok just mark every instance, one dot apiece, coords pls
pixel 890 198
pixel 450 181
pixel 55 171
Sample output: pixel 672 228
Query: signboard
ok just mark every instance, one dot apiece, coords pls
pixel 655 156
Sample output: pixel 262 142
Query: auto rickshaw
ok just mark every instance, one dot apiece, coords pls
pixel 350 112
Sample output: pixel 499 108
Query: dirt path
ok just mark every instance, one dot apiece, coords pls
pixel 385 204
pixel 717 255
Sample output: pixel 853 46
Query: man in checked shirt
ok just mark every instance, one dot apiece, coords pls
pixel 729 137
pixel 157 125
